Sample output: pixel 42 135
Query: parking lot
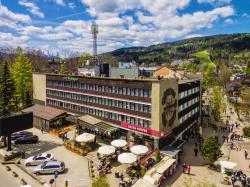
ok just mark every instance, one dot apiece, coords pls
pixel 76 166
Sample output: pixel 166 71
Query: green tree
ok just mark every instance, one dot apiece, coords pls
pixel 208 73
pixel 244 104
pixel 218 103
pixel 224 76
pixel 211 150
pixel 28 99
pixel 83 59
pixel 22 74
pixel 248 67
pixel 100 182
pixel 62 69
pixel 7 90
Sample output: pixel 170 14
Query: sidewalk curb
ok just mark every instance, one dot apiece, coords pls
pixel 41 181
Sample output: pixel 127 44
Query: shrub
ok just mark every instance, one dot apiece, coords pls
pixel 143 171
pixel 100 182
pixel 158 156
pixel 246 132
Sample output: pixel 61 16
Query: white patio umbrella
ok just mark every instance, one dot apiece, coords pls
pixel 139 149
pixel 127 158
pixel 85 137
pixel 227 165
pixel 106 150
pixel 119 143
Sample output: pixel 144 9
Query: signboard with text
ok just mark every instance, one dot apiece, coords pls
pixel 143 129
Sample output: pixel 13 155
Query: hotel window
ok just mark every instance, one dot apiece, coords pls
pixel 124 91
pixel 103 90
pixel 145 124
pixel 136 121
pixel 140 92
pixel 140 122
pixel 136 107
pixel 120 104
pixel 149 93
pixel 132 105
pixel 132 120
pixel 132 91
pixel 128 91
pixel 127 104
pixel 113 89
pixel 106 88
pixel 136 92
pixel 119 90
pixel 109 89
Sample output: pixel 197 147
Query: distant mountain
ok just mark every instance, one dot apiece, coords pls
pixel 220 47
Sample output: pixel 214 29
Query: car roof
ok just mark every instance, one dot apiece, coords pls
pixel 43 154
pixel 49 163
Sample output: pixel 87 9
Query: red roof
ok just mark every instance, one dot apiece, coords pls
pixel 45 112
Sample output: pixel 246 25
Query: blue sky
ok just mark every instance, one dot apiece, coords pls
pixel 64 25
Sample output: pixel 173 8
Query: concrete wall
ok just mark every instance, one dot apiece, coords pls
pixel 167 110
pixel 39 87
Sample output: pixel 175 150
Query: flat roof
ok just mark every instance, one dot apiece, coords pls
pixel 45 112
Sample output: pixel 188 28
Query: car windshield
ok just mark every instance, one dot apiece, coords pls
pixel 35 157
pixel 48 155
pixel 44 164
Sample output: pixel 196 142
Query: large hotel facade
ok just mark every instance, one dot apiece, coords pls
pixel 155 109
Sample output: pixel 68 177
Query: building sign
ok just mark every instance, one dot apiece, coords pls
pixel 70 78
pixel 169 103
pixel 143 129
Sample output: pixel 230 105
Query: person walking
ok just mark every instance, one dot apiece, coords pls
pixel 196 151
pixel 184 167
pixel 246 155
pixel 188 169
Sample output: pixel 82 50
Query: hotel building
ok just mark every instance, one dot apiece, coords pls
pixel 150 108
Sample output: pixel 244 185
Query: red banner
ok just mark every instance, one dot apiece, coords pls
pixel 143 129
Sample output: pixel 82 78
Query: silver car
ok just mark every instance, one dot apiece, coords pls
pixel 50 167
pixel 38 159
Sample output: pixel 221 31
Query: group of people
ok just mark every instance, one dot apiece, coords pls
pixel 240 176
pixel 104 167
pixel 122 182
pixel 186 168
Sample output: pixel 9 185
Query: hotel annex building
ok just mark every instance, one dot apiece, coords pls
pixel 149 107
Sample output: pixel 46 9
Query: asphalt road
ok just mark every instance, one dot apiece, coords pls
pixel 7 180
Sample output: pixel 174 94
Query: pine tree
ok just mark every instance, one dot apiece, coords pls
pixel 7 90
pixel 22 74
pixel 28 99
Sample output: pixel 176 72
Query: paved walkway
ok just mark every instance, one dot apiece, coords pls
pixel 199 169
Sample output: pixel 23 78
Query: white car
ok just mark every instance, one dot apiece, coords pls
pixel 50 167
pixel 38 159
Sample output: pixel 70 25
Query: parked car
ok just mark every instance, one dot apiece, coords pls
pixel 50 167
pixel 17 135
pixel 38 159
pixel 27 139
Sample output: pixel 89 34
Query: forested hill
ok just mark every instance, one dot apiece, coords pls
pixel 220 47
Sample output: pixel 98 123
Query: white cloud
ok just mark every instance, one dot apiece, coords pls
pixel 60 2
pixel 7 14
pixel 228 21
pixel 193 36
pixel 72 5
pixel 32 8
pixel 9 40
pixel 153 21
pixel 215 2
